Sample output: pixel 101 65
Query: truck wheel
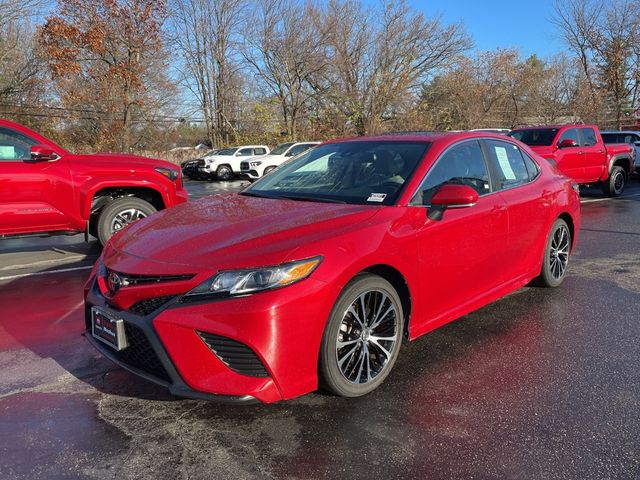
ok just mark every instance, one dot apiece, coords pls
pixel 224 173
pixel 614 185
pixel 119 213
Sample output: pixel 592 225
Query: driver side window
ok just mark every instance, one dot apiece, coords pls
pixel 14 145
pixel 462 164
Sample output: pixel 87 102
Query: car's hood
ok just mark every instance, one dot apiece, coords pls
pixel 235 231
pixel 124 159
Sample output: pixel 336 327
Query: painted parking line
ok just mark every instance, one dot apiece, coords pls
pixel 591 200
pixel 49 272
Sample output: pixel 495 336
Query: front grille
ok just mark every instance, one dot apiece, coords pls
pixel 244 165
pixel 140 354
pixel 130 279
pixel 237 356
pixel 149 305
pixel 201 162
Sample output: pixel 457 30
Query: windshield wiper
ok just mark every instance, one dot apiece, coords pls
pixel 312 199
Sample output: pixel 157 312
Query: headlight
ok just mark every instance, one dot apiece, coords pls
pixel 168 172
pixel 255 164
pixel 242 282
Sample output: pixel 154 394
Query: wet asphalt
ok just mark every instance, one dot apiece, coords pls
pixel 543 384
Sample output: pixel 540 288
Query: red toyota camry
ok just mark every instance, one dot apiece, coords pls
pixel 317 273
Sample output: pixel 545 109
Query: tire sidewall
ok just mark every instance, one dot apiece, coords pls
pixel 330 376
pixel 224 173
pixel 113 208
pixel 617 171
pixel 547 277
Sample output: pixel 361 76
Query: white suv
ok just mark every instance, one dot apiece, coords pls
pixel 255 168
pixel 226 162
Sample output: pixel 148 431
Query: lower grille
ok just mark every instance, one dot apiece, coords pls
pixel 237 356
pixel 244 165
pixel 149 305
pixel 140 353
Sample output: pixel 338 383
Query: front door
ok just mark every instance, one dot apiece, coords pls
pixel 33 195
pixel 570 159
pixel 594 155
pixel 461 256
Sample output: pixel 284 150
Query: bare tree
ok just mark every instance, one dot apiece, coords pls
pixel 378 57
pixel 206 35
pixel 606 39
pixel 285 50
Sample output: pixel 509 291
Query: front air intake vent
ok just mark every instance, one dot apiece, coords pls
pixel 237 356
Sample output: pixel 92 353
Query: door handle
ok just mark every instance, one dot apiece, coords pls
pixel 581 152
pixel 600 151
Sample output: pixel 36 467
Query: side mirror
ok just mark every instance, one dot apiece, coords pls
pixel 42 153
pixel 451 196
pixel 568 143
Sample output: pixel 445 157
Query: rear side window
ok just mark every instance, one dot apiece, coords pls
pixel 611 138
pixel 260 151
pixel 589 138
pixel 508 163
pixel 245 152
pixel 532 167
pixel 462 164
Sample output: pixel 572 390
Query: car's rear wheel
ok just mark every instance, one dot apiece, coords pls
pixel 224 172
pixel 119 213
pixel 556 255
pixel 614 185
pixel 362 337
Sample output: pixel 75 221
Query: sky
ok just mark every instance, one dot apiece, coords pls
pixel 523 24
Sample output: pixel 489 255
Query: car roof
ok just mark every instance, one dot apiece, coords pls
pixel 421 136
pixel 626 132
pixel 568 125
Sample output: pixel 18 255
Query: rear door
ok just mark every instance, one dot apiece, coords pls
pixel 570 159
pixel 517 179
pixel 461 257
pixel 34 196
pixel 594 155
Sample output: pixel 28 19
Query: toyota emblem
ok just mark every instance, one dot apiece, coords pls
pixel 114 282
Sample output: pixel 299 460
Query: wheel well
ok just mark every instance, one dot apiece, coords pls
pixel 623 162
pixel 223 165
pixel 102 197
pixel 395 278
pixel 567 218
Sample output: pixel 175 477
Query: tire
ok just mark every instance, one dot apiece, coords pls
pixel 614 185
pixel 554 267
pixel 129 209
pixel 268 170
pixel 224 173
pixel 342 369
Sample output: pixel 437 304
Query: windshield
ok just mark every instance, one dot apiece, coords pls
pixel 280 149
pixel 226 151
pixel 357 172
pixel 535 137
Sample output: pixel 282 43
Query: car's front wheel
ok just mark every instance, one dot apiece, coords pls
pixel 362 337
pixel 119 213
pixel 556 255
pixel 224 172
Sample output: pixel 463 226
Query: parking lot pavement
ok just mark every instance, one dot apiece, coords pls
pixel 541 384
pixel 25 256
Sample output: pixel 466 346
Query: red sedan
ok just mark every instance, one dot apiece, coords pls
pixel 316 274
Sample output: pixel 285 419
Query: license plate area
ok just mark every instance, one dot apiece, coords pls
pixel 108 329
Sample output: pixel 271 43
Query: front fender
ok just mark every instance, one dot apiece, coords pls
pixel 91 187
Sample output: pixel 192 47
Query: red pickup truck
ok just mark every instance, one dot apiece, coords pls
pixel 45 189
pixel 579 152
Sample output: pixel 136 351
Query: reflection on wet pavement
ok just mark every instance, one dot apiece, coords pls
pixel 542 384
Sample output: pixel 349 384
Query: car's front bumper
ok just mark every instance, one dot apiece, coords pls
pixel 282 328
